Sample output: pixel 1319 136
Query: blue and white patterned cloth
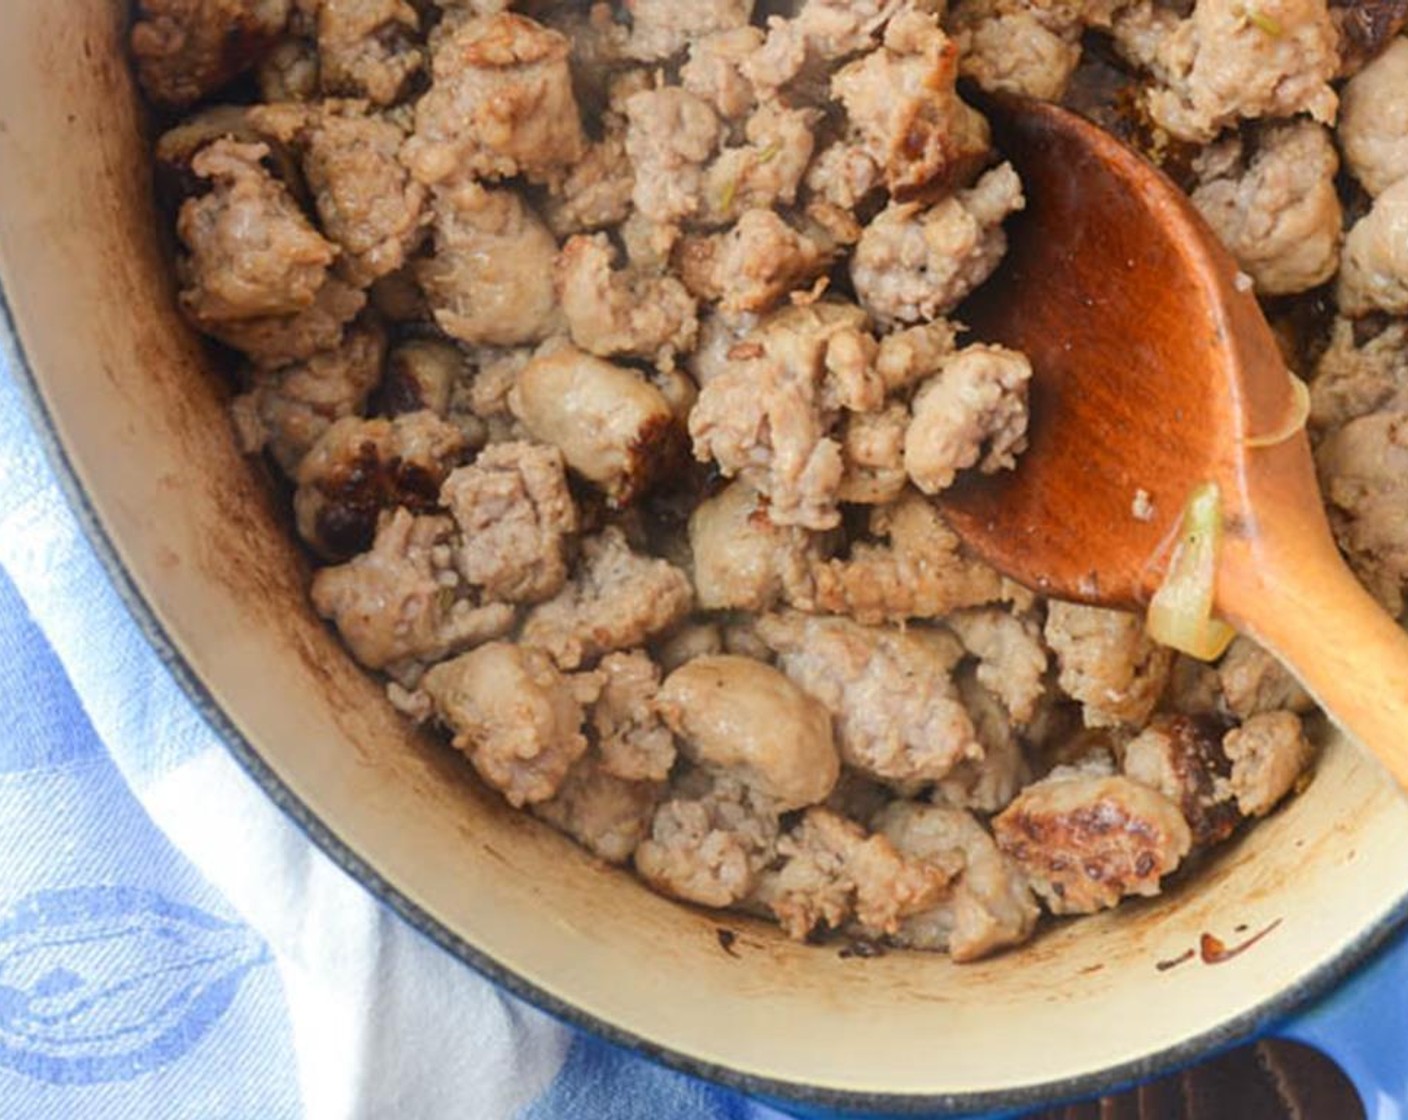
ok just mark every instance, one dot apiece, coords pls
pixel 172 947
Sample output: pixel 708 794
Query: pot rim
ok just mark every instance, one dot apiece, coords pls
pixel 1189 1050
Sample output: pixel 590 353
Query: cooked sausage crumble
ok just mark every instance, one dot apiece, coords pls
pixel 613 352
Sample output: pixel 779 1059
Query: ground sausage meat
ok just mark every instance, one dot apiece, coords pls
pixel 1107 663
pixel 516 518
pixel 287 409
pixel 1374 275
pixel 606 814
pixel 1012 659
pixel 912 354
pixel 1280 214
pixel 1269 755
pixel 768 415
pixel 754 265
pixel 514 715
pixel 606 346
pixel 972 413
pixel 631 734
pixel 766 170
pixel 251 252
pixel 897 714
pixel 423 374
pixel 832 871
pixel 617 599
pixel 1085 843
pixel 613 427
pixel 670 136
pixel 368 48
pixel 596 191
pixel 1229 60
pixel 913 566
pixel 1016 48
pixel 743 718
pixel 1373 124
pixel 987 784
pixel 613 311
pixel 366 201
pixel 901 101
pixel 186 49
pixel 289 72
pixel 872 455
pixel 500 104
pixel 715 70
pixel 402 601
pixel 986 905
pixel 273 341
pixel 822 31
pixel 360 467
pixel 661 28
pixel 1253 681
pixel 1363 469
pixel 1356 376
pixel 489 281
pixel 741 559
pixel 1182 757
pixel 913 263
pixel 709 842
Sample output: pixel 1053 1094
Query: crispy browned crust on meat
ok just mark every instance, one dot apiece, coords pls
pixel 1087 842
pixel 1182 757
pixel 360 467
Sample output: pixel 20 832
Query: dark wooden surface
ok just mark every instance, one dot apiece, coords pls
pixel 1263 1081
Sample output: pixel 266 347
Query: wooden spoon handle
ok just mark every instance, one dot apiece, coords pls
pixel 1343 646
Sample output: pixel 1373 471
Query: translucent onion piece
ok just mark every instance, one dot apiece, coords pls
pixel 1270 24
pixel 1300 412
pixel 1180 613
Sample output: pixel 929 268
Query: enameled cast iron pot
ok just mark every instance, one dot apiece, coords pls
pixel 191 533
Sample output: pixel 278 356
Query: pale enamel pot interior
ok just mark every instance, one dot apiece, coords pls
pixel 202 551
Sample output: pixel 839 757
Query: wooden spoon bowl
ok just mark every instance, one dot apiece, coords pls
pixel 1155 373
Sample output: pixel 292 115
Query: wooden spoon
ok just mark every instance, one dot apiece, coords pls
pixel 1153 368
